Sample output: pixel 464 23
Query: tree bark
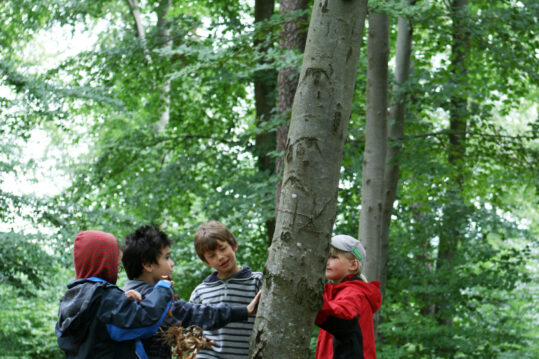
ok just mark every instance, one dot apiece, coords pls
pixel 265 88
pixel 293 36
pixel 395 134
pixel 374 156
pixel 139 26
pixel 293 275
pixel 163 37
pixel 454 216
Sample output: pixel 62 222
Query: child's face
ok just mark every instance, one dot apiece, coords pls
pixel 223 259
pixel 163 267
pixel 339 267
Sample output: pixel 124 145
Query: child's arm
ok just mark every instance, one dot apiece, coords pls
pixel 127 320
pixel 345 306
pixel 208 317
pixel 339 316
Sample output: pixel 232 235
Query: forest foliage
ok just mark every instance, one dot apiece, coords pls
pixel 100 108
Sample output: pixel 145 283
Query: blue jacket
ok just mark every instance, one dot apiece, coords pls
pixel 205 316
pixel 97 320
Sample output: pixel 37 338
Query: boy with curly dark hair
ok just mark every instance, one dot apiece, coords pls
pixel 146 260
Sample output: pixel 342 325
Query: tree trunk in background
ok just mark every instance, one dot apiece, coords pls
pixel 395 134
pixel 293 275
pixel 265 86
pixel 139 26
pixel 293 36
pixel 374 156
pixel 454 216
pixel 165 42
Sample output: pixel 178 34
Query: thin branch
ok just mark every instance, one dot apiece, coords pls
pixel 482 134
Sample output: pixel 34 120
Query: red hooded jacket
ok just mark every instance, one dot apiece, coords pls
pixel 345 320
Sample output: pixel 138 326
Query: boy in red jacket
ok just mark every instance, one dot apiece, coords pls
pixel 345 319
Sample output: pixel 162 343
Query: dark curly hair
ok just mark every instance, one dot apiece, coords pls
pixel 142 246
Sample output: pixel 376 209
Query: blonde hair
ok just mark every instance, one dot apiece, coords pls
pixel 348 255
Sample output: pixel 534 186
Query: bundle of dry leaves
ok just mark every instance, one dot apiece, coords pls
pixel 185 342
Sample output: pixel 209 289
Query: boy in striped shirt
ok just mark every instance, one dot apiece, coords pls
pixel 230 283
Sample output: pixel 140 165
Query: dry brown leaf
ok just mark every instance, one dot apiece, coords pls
pixel 186 342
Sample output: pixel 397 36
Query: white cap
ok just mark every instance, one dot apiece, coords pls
pixel 349 244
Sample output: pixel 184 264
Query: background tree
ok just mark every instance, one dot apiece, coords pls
pixel 374 155
pixel 265 85
pixel 395 128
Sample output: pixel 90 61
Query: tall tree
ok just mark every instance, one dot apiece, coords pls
pixel 395 134
pixel 294 271
pixel 164 42
pixel 455 218
pixel 374 155
pixel 265 88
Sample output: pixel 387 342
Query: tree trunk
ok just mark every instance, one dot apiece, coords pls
pixel 293 275
pixel 293 36
pixel 265 86
pixel 374 156
pixel 139 26
pixel 164 40
pixel 395 134
pixel 454 216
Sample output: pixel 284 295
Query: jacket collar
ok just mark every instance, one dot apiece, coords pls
pixel 244 273
pixel 352 276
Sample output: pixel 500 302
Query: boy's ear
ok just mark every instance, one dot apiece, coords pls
pixel 147 267
pixel 236 247
pixel 355 265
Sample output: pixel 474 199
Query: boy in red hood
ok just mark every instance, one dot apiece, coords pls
pixel 96 319
pixel 345 319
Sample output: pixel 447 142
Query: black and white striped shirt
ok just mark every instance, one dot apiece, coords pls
pixel 231 341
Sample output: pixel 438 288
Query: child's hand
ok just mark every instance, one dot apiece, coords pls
pixel 133 294
pixel 167 279
pixel 251 308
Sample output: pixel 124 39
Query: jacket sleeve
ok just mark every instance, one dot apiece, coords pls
pixel 340 327
pixel 126 319
pixel 346 305
pixel 208 317
pixel 258 282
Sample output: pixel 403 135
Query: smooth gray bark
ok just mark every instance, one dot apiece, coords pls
pixel 163 38
pixel 294 272
pixel 395 134
pixel 374 156
pixel 139 26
